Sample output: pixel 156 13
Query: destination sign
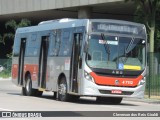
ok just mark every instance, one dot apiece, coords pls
pixel 114 28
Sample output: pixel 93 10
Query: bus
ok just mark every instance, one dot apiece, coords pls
pixel 100 58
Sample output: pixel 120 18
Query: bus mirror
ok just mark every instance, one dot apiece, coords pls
pixel 143 42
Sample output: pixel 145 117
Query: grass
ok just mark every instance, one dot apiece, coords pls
pixel 5 74
pixel 152 97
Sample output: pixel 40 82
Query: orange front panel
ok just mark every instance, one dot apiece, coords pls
pixel 116 81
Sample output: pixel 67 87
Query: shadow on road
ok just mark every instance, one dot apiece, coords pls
pixel 88 101
pixel 82 100
pixel 18 94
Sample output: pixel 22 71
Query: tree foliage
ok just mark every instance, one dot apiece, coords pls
pixel 11 26
pixel 146 11
pixel 14 25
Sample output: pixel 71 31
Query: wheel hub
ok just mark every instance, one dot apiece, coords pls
pixel 28 85
pixel 62 89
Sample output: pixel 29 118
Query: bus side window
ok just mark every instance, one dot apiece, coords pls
pixel 57 43
pixel 65 49
pixel 32 45
pixel 52 38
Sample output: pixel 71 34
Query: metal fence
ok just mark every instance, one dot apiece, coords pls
pixel 153 76
pixel 152 82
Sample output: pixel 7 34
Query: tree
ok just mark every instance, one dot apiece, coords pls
pixel 11 26
pixel 147 10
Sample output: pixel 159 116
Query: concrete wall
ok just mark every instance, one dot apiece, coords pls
pixel 18 6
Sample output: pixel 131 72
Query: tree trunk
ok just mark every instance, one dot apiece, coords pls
pixel 151 39
pixel 151 52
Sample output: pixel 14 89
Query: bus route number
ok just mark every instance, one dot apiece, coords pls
pixel 128 82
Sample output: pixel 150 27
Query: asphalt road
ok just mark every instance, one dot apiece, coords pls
pixel 12 100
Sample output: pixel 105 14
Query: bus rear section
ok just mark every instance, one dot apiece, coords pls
pixel 28 61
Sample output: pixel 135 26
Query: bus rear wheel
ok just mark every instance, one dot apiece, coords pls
pixel 23 92
pixel 38 93
pixel 28 87
pixel 62 90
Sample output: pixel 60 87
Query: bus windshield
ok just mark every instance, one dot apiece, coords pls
pixel 115 52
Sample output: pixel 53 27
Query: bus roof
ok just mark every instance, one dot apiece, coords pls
pixel 53 24
pixel 61 23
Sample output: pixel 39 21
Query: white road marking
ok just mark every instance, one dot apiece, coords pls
pixel 6 109
pixel 122 108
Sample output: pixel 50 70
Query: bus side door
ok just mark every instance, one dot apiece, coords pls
pixel 21 61
pixel 43 61
pixel 76 62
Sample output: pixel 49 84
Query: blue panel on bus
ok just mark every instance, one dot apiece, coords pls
pixel 120 66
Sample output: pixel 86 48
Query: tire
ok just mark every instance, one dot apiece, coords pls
pixel 109 100
pixel 74 98
pixel 62 90
pixel 116 100
pixel 28 87
pixel 23 91
pixel 38 93
pixel 103 100
pixel 54 95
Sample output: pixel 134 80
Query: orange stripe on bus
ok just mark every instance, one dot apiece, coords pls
pixel 33 69
pixel 14 71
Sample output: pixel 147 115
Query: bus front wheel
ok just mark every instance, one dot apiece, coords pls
pixel 109 100
pixel 62 90
pixel 116 100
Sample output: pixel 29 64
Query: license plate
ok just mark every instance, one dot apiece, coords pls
pixel 116 92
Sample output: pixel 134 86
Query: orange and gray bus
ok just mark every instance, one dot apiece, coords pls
pixel 102 58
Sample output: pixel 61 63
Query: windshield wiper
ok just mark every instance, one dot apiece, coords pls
pixel 129 45
pixel 106 46
pixel 127 50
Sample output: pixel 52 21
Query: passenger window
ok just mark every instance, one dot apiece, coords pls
pixel 65 48
pixel 57 43
pixel 32 45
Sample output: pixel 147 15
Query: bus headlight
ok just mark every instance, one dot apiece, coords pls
pixel 88 76
pixel 141 82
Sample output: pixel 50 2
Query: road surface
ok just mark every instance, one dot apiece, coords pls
pixel 12 100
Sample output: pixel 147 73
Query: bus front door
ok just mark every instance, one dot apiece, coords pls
pixel 75 62
pixel 43 62
pixel 21 61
